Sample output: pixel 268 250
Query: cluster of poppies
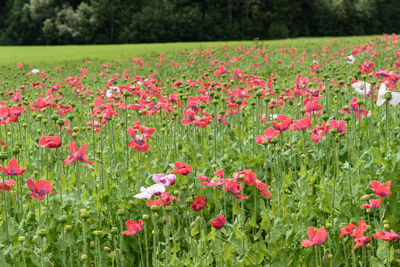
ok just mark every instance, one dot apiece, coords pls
pixel 357 232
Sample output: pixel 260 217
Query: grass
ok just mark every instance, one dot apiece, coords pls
pixel 40 56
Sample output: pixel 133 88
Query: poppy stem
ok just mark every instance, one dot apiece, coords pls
pixel 5 203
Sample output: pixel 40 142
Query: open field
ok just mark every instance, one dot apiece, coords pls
pixel 267 153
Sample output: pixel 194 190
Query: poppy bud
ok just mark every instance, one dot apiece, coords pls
pixel 215 102
pixel 16 151
pixel 98 151
pixel 21 238
pixel 214 166
pixel 163 129
pixel 45 121
pixel 97 233
pixel 353 220
pixel 145 216
pixel 193 224
pixel 38 131
pixel 62 219
pixel 84 257
pixel 302 156
pixel 92 106
pixel 176 192
pixel 84 213
pixel 107 249
pixel 60 122
pixel 75 129
pixel 36 173
pixel 114 230
pixel 328 226
pixel 164 220
pixel 264 142
pixel 54 117
pixel 337 139
pixel 3 155
pixel 224 159
pixel 126 94
pixel 42 232
pixel 239 101
pixel 385 221
pixel 365 197
pixel 120 212
pixel 334 130
pixel 24 125
pixel 222 112
pixel 74 135
pixel 386 226
pixel 92 245
pixel 303 110
pixel 190 187
pixel 369 227
pixel 189 199
pixel 18 144
pixel 388 96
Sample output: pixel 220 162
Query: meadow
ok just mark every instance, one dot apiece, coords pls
pixel 261 153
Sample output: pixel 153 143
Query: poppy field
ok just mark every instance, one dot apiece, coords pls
pixel 228 155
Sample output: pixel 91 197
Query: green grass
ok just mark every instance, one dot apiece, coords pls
pixel 39 56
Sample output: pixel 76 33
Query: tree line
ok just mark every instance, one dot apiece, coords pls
pixel 34 22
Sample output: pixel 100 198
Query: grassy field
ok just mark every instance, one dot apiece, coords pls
pixel 50 55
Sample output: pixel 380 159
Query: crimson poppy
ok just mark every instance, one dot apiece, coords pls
pixel 181 168
pixel 232 186
pixel 269 134
pixel 13 169
pixel 387 236
pixel 133 227
pixel 314 238
pixel 381 190
pixel 219 222
pixel 284 123
pixel 7 184
pixel 50 141
pixel 347 230
pixel 40 188
pixel 318 133
pixel 164 200
pixel 373 203
pixel 301 125
pixel 77 154
pixel 199 203
pixel 339 125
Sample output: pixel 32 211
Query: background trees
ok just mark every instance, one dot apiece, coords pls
pixel 126 21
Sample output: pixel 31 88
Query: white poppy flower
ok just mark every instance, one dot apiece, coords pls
pixel 35 71
pixel 362 88
pixel 350 59
pixel 381 96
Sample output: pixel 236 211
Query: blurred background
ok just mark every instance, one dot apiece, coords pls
pixel 36 22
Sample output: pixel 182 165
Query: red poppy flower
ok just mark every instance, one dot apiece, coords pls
pixel 232 186
pixel 199 203
pixel 301 125
pixel 77 154
pixel 387 236
pixel 164 200
pixel 263 189
pixel 139 134
pixel 181 168
pixel 218 180
pixel 7 184
pixel 373 203
pixel 318 133
pixel 360 239
pixel 367 67
pixel 247 176
pixel 218 222
pixel 339 125
pixel 381 190
pixel 50 141
pixel 314 238
pixel 347 230
pixel 13 169
pixel 133 227
pixel 269 134
pixel 284 123
pixel 40 188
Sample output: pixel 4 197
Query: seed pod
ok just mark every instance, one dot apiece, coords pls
pixel 84 257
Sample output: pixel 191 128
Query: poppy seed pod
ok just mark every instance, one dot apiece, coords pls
pixel 62 219
pixel 107 249
pixel 42 232
pixel 388 96
pixel 21 238
pixel 386 226
pixel 54 117
pixel 145 216
pixel 84 257
pixel 97 233
pixel 168 208
pixel 114 230
pixel 120 212
pixel 155 208
pixel 3 155
pixel 60 122
pixel 92 245
pixel 189 199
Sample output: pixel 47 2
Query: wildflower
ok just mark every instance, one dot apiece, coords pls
pixel 367 66
pixel 347 230
pixel 269 134
pixel 218 180
pixel 149 192
pixel 314 238
pixel 7 184
pixel 133 227
pixel 387 236
pixel 395 98
pixel 350 59
pixel 139 134
pixel 232 186
pixel 339 125
pixel 199 203
pixel 301 125
pixel 39 189
pixel 318 133
pixel 50 141
pixel 381 190
pixel 181 168
pixel 284 123
pixel 166 180
pixel 13 169
pixel 219 222
pixel 373 203
pixel 164 200
pixel 76 154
